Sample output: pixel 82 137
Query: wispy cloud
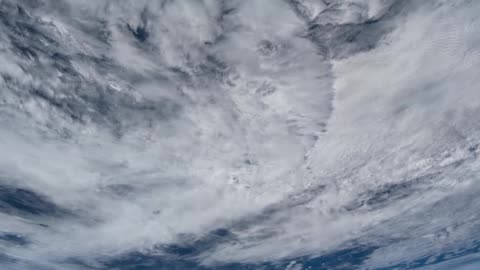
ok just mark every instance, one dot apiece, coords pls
pixel 270 129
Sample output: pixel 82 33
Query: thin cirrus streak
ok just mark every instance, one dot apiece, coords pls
pixel 295 134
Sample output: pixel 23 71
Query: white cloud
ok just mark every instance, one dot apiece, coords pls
pixel 260 116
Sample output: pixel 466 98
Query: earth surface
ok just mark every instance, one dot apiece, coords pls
pixel 239 134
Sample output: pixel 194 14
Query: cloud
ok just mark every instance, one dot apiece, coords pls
pixel 263 130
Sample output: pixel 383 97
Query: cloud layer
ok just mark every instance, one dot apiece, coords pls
pixel 224 132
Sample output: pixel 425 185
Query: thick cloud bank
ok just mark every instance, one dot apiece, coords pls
pixel 239 134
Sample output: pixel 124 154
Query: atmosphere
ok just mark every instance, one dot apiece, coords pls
pixel 239 134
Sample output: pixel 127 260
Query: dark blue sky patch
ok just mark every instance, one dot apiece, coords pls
pixel 139 32
pixel 15 239
pixel 437 259
pixel 189 247
pixel 23 202
pixel 6 259
pixel 140 261
pixel 339 260
pixel 346 259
